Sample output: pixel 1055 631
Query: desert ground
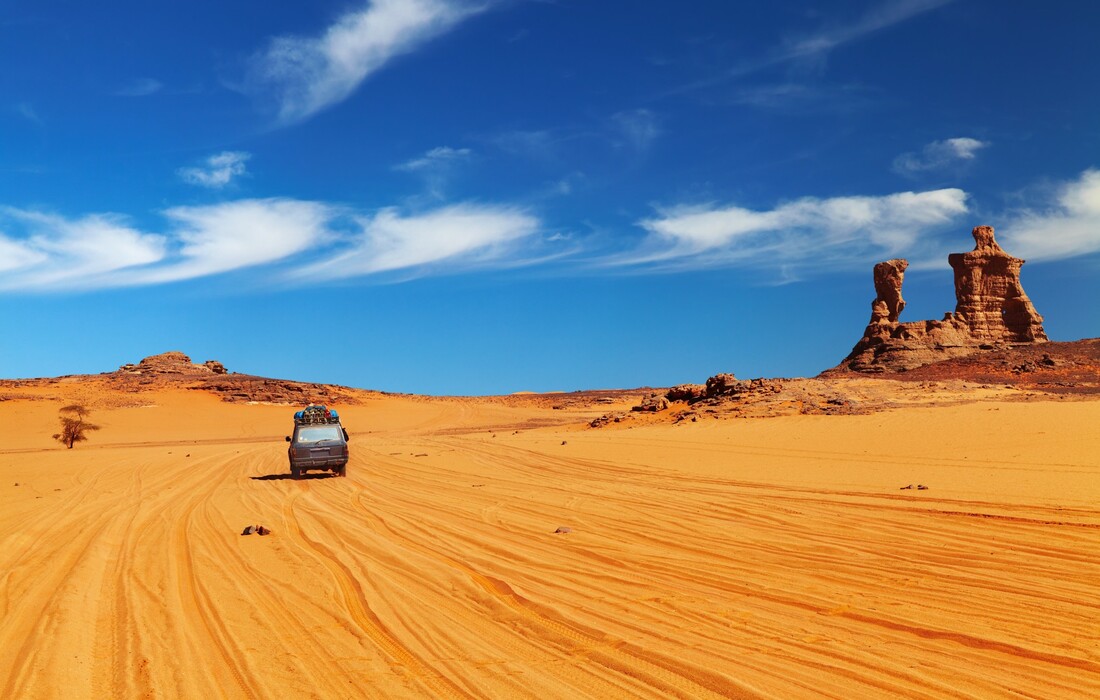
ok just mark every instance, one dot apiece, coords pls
pixel 733 557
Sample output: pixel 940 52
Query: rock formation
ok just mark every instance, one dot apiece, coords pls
pixel 989 297
pixel 686 392
pixel 172 362
pixel 722 386
pixel 215 367
pixel 888 278
pixel 991 309
pixel 652 404
pixel 726 386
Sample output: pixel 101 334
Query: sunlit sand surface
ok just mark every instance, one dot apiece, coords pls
pixel 728 558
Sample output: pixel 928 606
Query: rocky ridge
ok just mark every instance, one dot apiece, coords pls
pixel 1063 368
pixel 174 368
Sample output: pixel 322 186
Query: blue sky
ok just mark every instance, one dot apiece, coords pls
pixel 479 196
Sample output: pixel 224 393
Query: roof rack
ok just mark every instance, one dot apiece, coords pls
pixel 316 415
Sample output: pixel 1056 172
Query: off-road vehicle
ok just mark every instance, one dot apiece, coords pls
pixel 319 442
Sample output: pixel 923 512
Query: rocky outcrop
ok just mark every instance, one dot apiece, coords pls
pixel 721 384
pixel 726 386
pixel 686 392
pixel 991 310
pixel 245 389
pixel 721 387
pixel 172 362
pixel 652 404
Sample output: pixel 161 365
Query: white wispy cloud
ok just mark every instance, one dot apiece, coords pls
pixel 142 87
pixel 880 17
pixel 436 167
pixel 1067 227
pixel 805 233
pixel 55 251
pixel 104 250
pixel 308 242
pixel 439 157
pixel 307 74
pixel 460 235
pixel 291 240
pixel 218 170
pixel 938 155
pixel 218 238
pixel 18 254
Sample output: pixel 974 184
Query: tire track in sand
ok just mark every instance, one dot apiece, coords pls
pixel 356 603
pixel 655 670
pixel 192 596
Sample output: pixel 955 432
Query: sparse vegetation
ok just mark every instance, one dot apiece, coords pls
pixel 74 425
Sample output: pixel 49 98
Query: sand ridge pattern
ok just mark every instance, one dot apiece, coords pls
pixel 741 558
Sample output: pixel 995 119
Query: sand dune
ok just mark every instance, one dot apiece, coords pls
pixel 731 558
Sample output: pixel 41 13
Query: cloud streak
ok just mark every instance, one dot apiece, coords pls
pixel 307 74
pixel 813 48
pixel 436 167
pixel 1067 227
pixel 883 16
pixel 461 235
pixel 219 170
pixel 939 155
pixel 210 240
pixel 314 243
pixel 104 250
pixel 439 157
pixel 291 240
pixel 59 252
pixel 800 235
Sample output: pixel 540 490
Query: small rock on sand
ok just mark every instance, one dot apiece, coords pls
pixel 563 530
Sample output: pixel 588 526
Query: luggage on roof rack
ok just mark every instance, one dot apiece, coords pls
pixel 316 415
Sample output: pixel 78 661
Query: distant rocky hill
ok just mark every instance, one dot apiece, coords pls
pixel 172 363
pixel 1052 367
pixel 992 311
pixel 176 369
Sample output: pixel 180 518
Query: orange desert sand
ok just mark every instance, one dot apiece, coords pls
pixel 756 557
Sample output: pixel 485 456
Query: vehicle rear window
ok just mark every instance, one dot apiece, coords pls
pixel 319 433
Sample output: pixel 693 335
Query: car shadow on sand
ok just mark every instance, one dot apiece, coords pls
pixel 303 477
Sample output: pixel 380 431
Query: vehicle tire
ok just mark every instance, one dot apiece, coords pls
pixel 343 471
pixel 296 472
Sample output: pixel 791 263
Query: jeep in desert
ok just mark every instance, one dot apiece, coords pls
pixel 319 442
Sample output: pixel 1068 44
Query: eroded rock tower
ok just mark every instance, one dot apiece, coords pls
pixel 991 308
